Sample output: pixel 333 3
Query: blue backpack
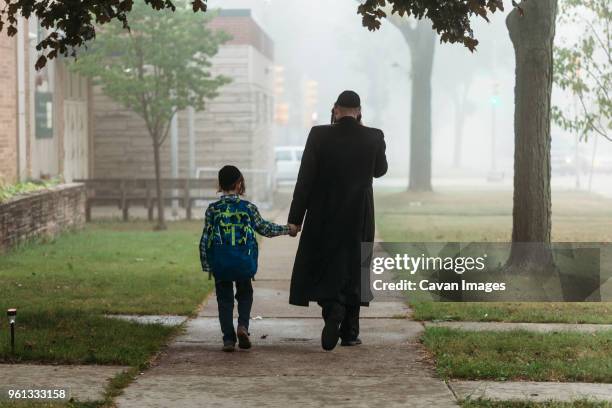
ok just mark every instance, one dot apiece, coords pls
pixel 232 250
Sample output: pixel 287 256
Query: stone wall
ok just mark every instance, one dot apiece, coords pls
pixel 8 107
pixel 44 213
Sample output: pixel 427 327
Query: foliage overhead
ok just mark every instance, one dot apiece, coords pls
pixel 158 67
pixel 70 24
pixel 584 68
pixel 450 18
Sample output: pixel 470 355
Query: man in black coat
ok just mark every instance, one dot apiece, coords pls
pixel 334 202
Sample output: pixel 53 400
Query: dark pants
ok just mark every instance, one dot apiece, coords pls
pixel 346 315
pixel 225 301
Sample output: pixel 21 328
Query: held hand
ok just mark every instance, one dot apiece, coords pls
pixel 293 229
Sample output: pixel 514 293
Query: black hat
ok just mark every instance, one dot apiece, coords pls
pixel 228 176
pixel 349 99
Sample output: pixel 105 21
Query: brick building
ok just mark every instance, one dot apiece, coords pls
pixel 8 109
pixel 43 114
pixel 235 127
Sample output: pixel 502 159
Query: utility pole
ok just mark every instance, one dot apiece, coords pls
pixel 577 139
pixel 494 175
pixel 174 142
pixel 191 137
pixel 493 136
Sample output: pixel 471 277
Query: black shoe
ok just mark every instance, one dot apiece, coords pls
pixel 330 335
pixel 349 343
pixel 229 346
pixel 243 338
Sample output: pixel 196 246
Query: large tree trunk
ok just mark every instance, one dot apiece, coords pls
pixel 532 32
pixel 422 47
pixel 161 221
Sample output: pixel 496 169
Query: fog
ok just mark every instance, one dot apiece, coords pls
pixel 325 42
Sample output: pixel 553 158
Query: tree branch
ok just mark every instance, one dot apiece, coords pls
pixel 165 134
pixel 586 113
pixel 599 40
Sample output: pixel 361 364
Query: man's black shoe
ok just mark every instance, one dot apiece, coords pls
pixel 349 343
pixel 330 334
pixel 243 338
pixel 229 346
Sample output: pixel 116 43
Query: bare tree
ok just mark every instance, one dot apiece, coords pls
pixel 421 40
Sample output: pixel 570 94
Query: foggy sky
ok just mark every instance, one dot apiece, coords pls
pixel 325 41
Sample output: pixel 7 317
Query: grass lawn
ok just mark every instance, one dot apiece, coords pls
pixel 479 216
pixel 600 313
pixel 482 216
pixel 479 403
pixel 62 288
pixel 521 355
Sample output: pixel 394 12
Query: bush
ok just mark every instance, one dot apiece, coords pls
pixel 11 190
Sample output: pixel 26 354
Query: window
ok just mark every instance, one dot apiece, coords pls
pixel 43 105
pixel 43 89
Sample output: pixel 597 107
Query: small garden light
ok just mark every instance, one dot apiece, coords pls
pixel 12 316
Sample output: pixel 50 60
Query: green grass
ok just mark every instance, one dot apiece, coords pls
pixel 482 403
pixel 62 289
pixel 108 268
pixel 478 216
pixel 599 313
pixel 73 337
pixel 521 355
pixel 485 217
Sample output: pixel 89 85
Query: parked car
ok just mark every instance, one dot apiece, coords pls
pixel 603 165
pixel 565 161
pixel 288 159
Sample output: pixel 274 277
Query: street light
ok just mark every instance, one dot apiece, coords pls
pixel 12 316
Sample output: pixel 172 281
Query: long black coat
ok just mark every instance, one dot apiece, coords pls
pixel 334 193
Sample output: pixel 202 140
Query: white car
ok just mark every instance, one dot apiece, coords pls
pixel 288 159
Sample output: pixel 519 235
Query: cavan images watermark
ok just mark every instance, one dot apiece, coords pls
pixel 486 272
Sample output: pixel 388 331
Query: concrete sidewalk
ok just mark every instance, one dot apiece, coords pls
pixel 531 391
pixel 83 382
pixel 286 365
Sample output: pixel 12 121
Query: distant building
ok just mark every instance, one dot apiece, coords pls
pixel 43 115
pixel 235 128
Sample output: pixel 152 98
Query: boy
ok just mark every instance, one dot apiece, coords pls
pixel 228 250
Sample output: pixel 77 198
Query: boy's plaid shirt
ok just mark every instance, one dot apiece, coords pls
pixel 261 226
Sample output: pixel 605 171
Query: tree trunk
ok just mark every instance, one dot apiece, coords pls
pixel 422 48
pixel 459 120
pixel 161 221
pixel 461 110
pixel 532 36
